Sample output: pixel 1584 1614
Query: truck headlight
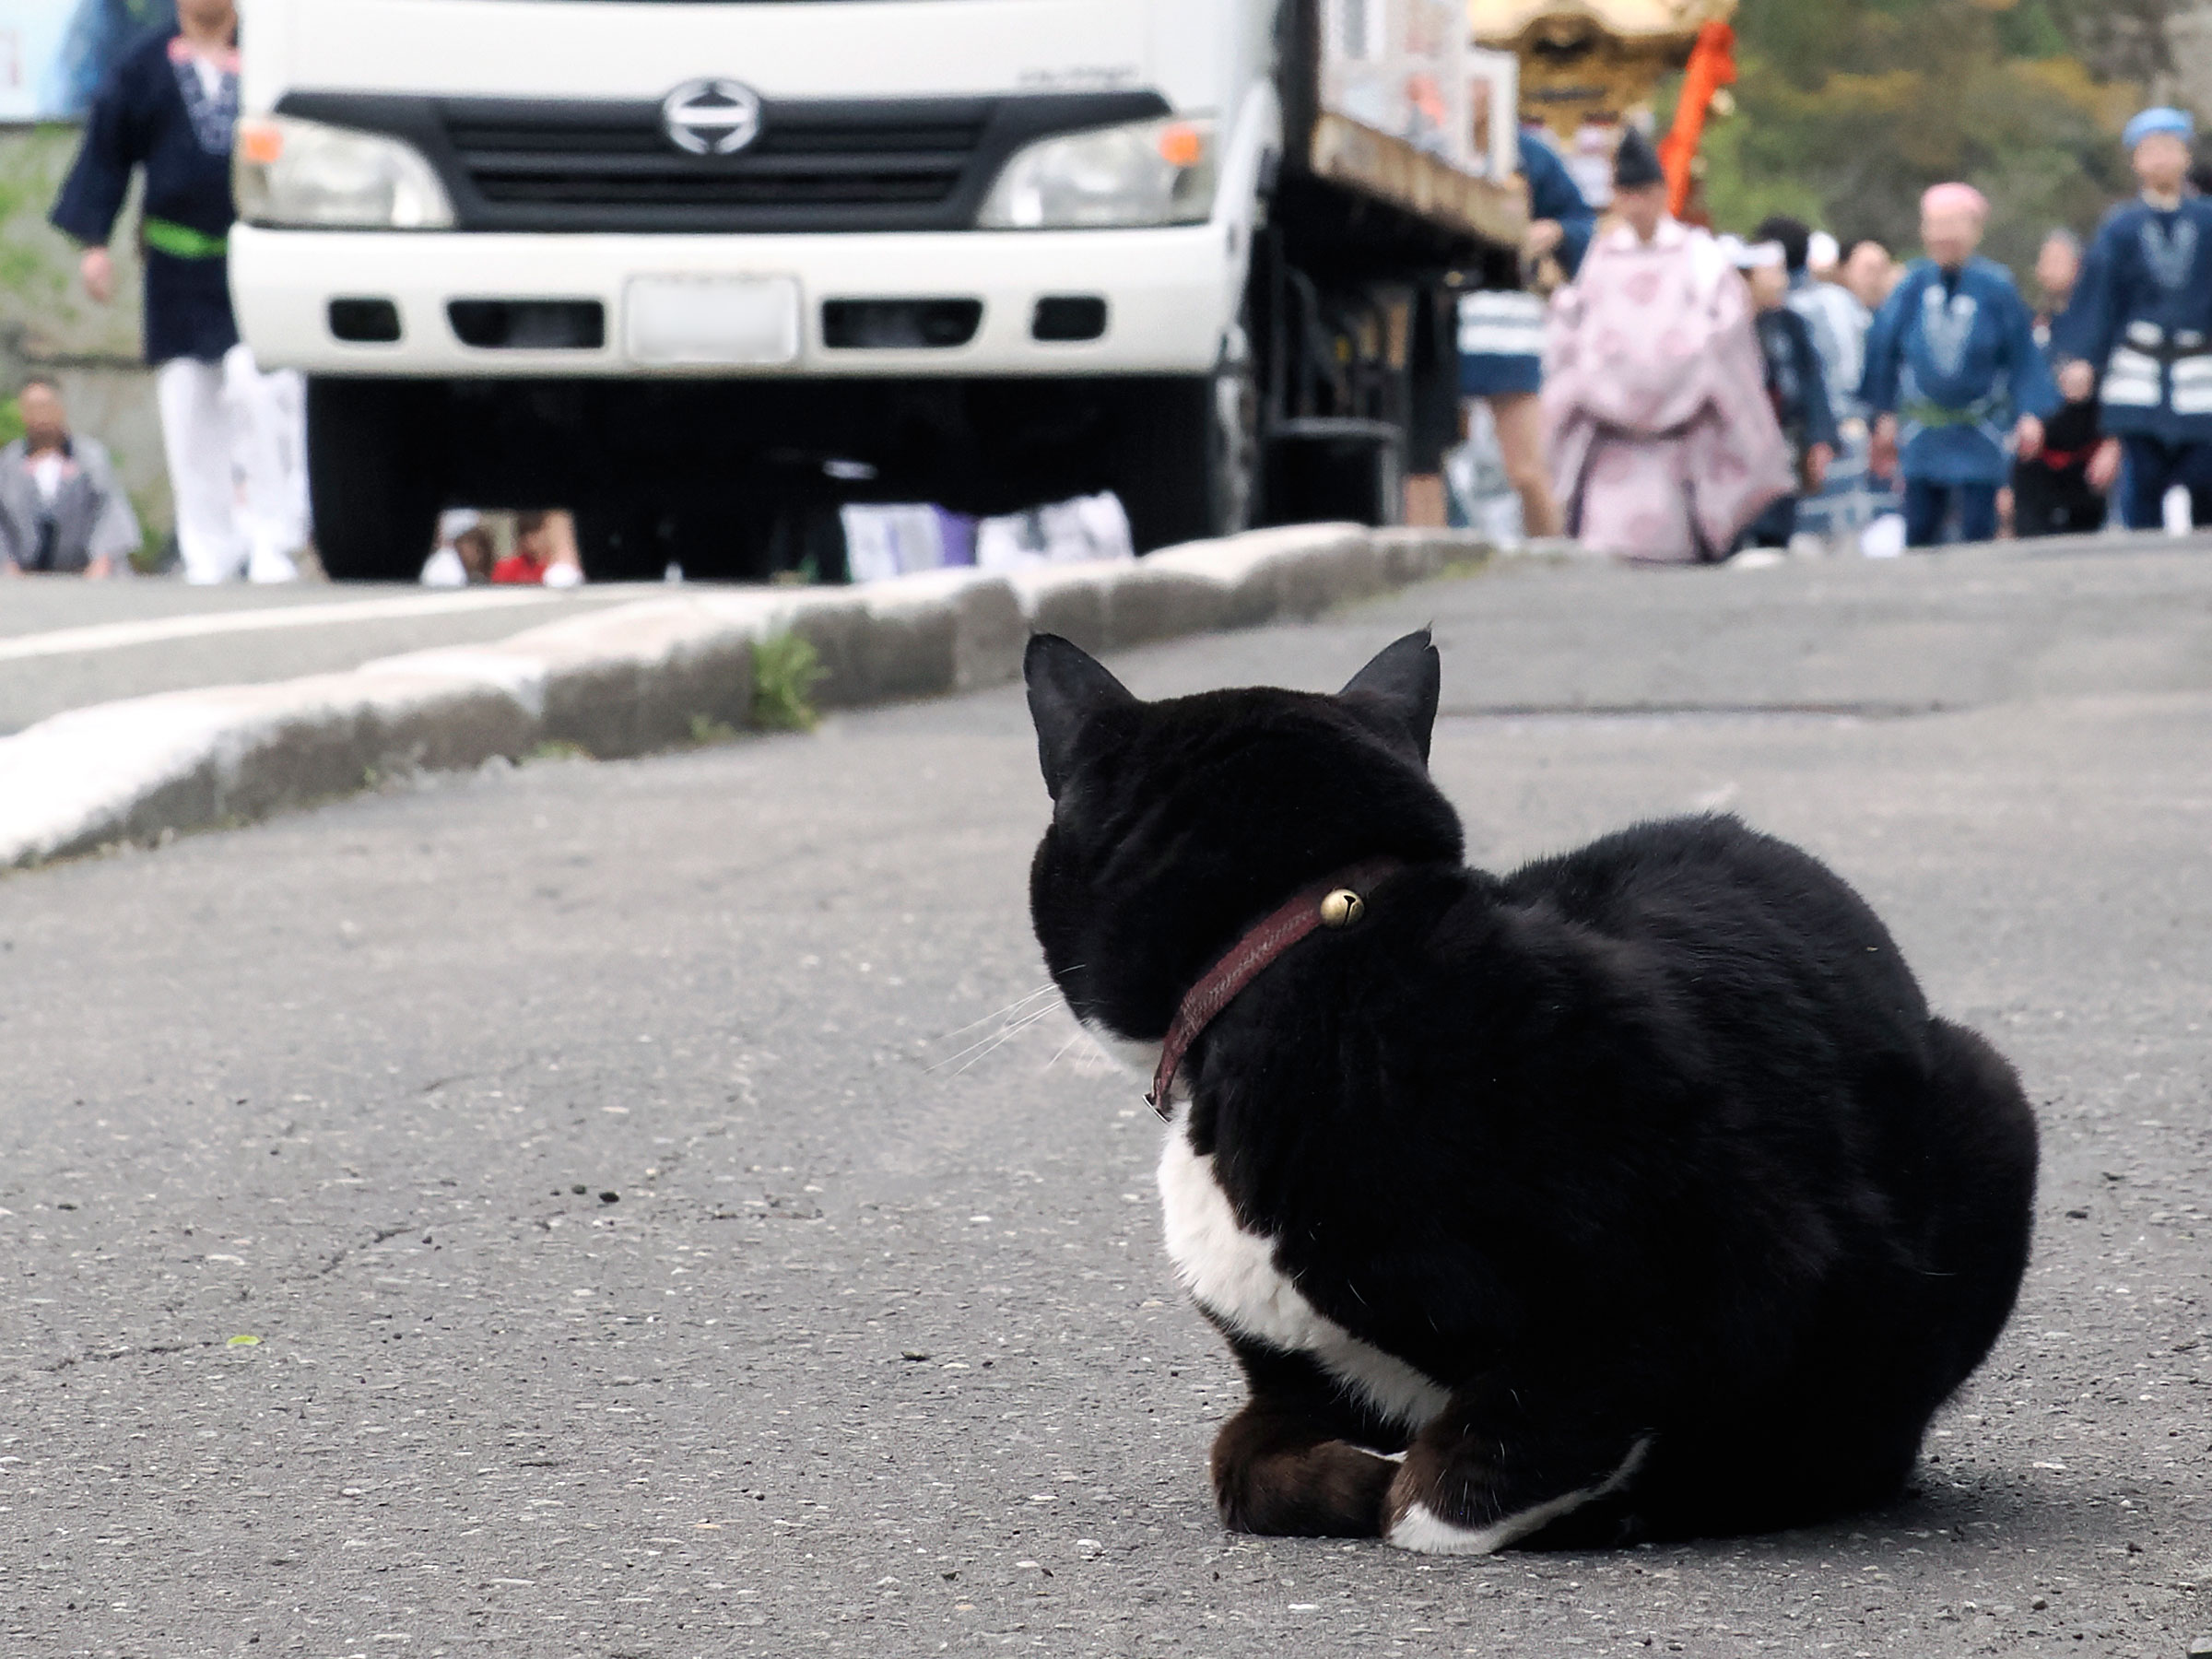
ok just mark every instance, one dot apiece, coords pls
pixel 1147 172
pixel 289 171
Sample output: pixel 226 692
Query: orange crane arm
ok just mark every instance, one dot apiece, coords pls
pixel 1712 66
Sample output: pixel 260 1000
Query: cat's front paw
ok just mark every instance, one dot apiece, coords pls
pixel 1417 1527
pixel 1323 1489
pixel 1448 1500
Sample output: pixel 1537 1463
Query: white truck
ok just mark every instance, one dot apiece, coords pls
pixel 701 270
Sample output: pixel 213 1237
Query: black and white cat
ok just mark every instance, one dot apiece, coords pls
pixel 1633 1193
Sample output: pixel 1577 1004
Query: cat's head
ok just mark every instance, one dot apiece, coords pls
pixel 1177 825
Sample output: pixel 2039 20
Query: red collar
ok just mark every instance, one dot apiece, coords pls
pixel 1315 907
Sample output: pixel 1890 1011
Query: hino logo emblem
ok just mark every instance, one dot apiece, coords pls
pixel 712 117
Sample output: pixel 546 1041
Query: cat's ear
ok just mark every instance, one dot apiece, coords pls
pixel 1401 686
pixel 1069 689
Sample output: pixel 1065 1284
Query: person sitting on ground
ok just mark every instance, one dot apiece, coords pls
pixel 61 508
pixel 1796 386
pixel 1952 370
pixel 544 551
pixel 478 554
pixel 465 556
pixel 2061 490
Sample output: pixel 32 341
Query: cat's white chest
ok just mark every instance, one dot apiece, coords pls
pixel 1232 1274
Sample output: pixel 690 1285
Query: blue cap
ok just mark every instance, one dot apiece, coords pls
pixel 2161 120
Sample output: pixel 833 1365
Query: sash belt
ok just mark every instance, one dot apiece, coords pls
pixel 182 241
pixel 1924 413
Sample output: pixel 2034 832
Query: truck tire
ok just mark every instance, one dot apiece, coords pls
pixel 374 477
pixel 1189 459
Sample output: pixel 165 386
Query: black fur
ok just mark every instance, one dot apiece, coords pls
pixel 1655 1141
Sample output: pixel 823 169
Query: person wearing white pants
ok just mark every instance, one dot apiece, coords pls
pixel 224 428
pixel 169 108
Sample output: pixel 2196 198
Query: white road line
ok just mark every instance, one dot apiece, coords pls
pixel 107 636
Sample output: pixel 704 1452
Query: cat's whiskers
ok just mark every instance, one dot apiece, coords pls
pixel 1092 1058
pixel 1002 1039
pixel 1047 988
pixel 1005 1033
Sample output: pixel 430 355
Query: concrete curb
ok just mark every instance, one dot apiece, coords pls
pixel 644 676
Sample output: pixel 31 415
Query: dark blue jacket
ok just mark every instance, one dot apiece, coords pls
pixel 152 113
pixel 1797 385
pixel 1554 194
pixel 1956 359
pixel 2142 316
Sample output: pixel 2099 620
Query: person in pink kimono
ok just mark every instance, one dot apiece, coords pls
pixel 1664 445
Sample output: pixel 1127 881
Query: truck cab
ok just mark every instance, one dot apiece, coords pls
pixel 702 269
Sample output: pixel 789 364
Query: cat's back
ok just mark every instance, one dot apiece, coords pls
pixel 1718 900
pixel 1667 868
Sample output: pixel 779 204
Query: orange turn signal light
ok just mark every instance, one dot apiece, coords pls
pixel 260 142
pixel 1182 145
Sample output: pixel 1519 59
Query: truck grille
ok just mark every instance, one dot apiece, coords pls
pixel 800 161
pixel 581 166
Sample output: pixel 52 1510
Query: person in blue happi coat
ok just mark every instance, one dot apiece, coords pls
pixel 1502 329
pixel 1952 371
pixel 2139 328
pixel 169 106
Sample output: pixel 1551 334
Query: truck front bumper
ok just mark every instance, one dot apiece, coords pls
pixel 1171 295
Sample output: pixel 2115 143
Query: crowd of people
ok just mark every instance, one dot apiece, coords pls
pixel 1652 390
pixel 1684 398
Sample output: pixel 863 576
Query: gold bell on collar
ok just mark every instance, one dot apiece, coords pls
pixel 1341 908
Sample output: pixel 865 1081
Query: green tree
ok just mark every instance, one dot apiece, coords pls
pixel 2125 39
pixel 1847 109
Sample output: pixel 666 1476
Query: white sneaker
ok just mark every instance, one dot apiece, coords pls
pixel 203 570
pixel 1885 538
pixel 268 564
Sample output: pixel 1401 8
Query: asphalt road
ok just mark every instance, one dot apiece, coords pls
pixel 65 643
pixel 640 1266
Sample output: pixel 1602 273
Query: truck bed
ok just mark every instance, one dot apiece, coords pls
pixel 1356 158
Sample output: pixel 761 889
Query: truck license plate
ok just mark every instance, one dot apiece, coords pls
pixel 712 320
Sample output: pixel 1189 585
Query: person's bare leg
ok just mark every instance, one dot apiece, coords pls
pixel 564 563
pixel 1424 508
pixel 1519 418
